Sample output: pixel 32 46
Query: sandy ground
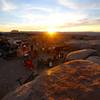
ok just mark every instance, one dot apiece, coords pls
pixel 10 71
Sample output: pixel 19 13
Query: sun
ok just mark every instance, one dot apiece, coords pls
pixel 51 32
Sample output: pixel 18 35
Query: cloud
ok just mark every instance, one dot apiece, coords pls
pixel 30 13
pixel 6 5
pixel 80 5
pixel 22 27
pixel 30 7
pixel 80 25
pixel 52 19
pixel 67 3
pixel 82 22
pixel 90 22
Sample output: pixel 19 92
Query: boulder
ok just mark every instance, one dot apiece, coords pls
pixel 95 59
pixel 79 44
pixel 74 80
pixel 80 54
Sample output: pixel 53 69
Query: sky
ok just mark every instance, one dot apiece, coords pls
pixel 44 15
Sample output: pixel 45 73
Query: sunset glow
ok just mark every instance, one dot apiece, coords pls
pixel 62 15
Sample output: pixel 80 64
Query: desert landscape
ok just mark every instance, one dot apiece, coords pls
pixel 49 49
pixel 74 69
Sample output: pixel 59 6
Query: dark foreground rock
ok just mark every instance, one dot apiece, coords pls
pixel 74 80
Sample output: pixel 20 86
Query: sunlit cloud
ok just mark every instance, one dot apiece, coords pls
pixel 7 5
pixel 22 27
pixel 80 5
pixel 29 7
pixel 86 24
pixel 56 20
pixel 53 19
pixel 31 27
pixel 90 22
pixel 82 28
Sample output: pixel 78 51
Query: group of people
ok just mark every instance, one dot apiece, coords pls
pixel 33 60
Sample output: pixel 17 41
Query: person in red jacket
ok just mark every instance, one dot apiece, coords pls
pixel 29 64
